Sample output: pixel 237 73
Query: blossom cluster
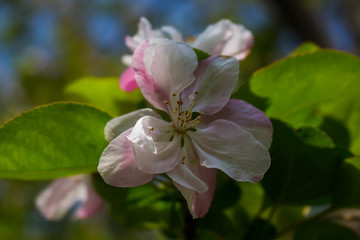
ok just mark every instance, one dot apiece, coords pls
pixel 206 131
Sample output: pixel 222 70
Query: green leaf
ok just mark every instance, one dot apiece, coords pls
pixel 307 88
pixel 141 207
pixel 227 192
pixel 252 195
pixel 324 230
pixel 301 170
pixel 346 191
pixel 201 55
pixel 52 141
pixel 314 137
pixel 104 93
pixel 307 47
pixel 218 222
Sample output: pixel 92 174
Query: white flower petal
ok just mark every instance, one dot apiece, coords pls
pixel 162 161
pixel 148 131
pixel 172 33
pixel 216 77
pixel 163 67
pixel 225 38
pixel 156 145
pixel 120 124
pixel 117 165
pixel 144 33
pixel 93 204
pixel 226 146
pixel 126 59
pixel 199 203
pixel 182 175
pixel 246 116
pixel 61 195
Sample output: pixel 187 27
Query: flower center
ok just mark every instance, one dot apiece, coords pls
pixel 184 119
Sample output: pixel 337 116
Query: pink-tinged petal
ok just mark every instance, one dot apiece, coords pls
pixel 240 43
pixel 246 116
pixel 225 38
pixel 117 164
pixel 93 204
pixel 226 146
pixel 127 80
pixel 144 33
pixel 118 125
pixel 216 77
pixel 156 145
pixel 61 195
pixel 199 203
pixel 163 67
pixel 183 174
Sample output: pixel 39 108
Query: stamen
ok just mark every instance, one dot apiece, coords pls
pixel 174 94
pixel 166 102
pixel 151 129
pixel 196 92
pixel 183 160
pixel 180 102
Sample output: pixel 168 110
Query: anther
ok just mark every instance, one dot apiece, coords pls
pixel 183 160
pixel 201 114
pixel 151 129
pixel 174 94
pixel 196 92
pixel 180 102
pixel 166 102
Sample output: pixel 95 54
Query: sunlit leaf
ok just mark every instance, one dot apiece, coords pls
pixel 306 88
pixel 52 141
pixel 104 93
pixel 307 47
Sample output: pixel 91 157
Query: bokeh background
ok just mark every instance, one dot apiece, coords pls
pixel 46 44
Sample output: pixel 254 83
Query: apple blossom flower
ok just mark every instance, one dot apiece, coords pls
pixel 207 131
pixel 145 32
pixel 225 38
pixel 55 201
pixel 222 38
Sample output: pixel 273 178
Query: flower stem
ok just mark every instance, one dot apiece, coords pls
pixel 189 229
